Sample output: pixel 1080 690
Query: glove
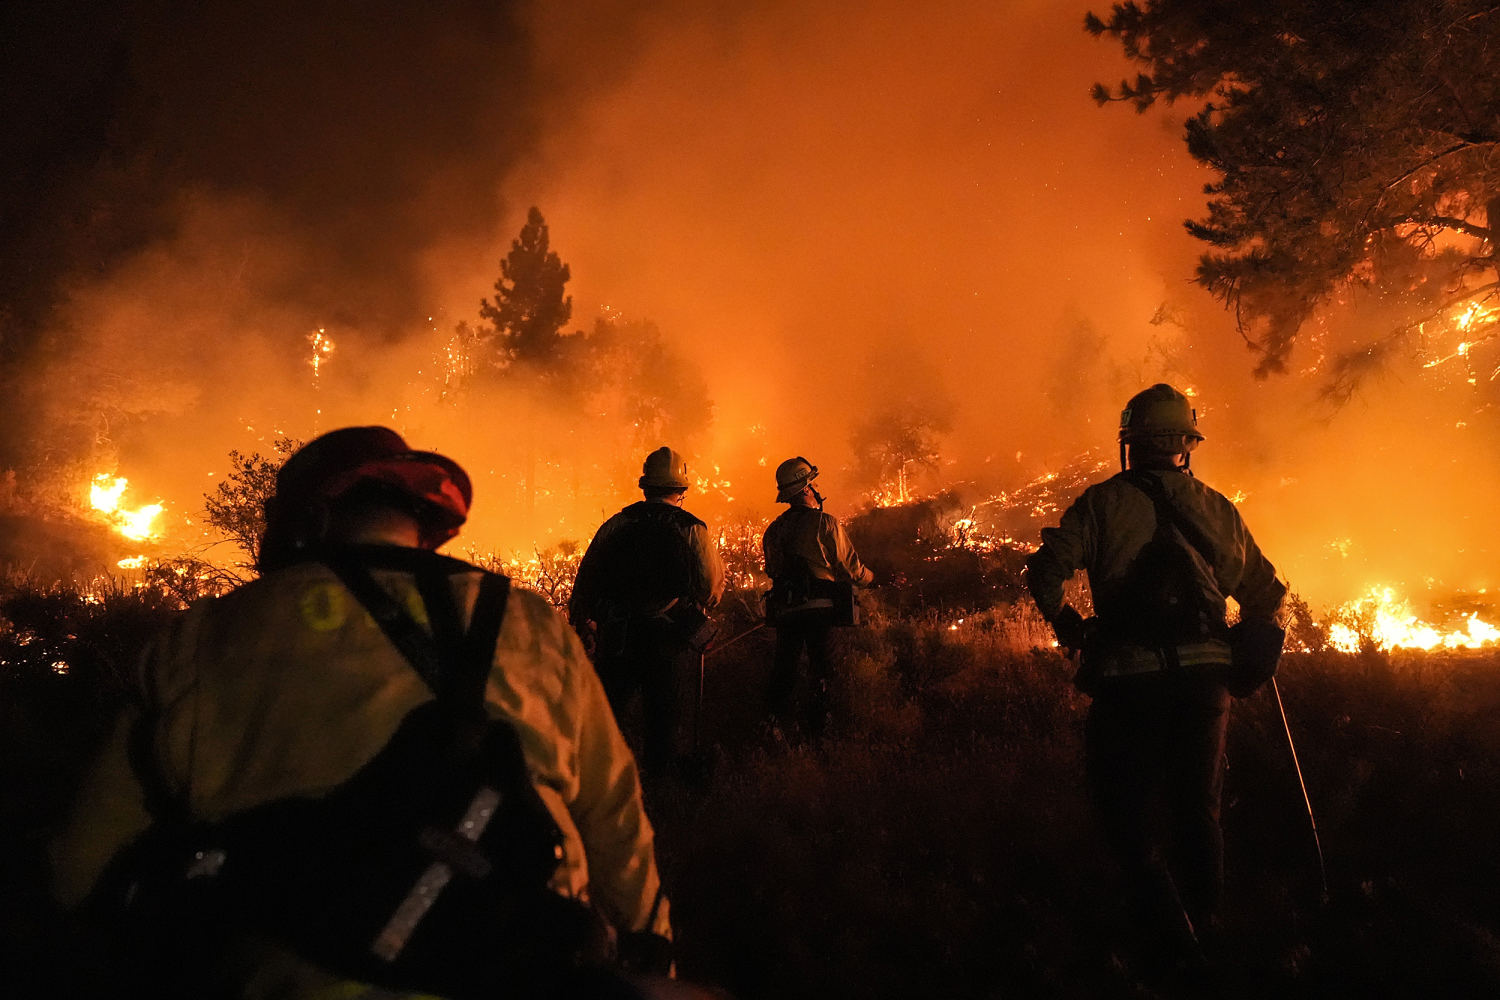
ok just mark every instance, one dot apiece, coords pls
pixel 588 634
pixel 645 952
pixel 1067 625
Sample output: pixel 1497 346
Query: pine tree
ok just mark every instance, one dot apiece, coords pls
pixel 1354 144
pixel 530 308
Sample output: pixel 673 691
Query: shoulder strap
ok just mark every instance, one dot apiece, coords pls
pixel 1167 512
pixel 452 662
pixel 483 634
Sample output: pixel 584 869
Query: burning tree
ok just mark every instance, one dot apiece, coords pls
pixel 899 440
pixel 1354 146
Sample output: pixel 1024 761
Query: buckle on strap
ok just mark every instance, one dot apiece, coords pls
pixel 455 854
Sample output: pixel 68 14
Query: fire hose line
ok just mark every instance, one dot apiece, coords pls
pixel 715 647
pixel 1297 767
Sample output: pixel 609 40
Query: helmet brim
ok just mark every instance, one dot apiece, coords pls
pixel 791 491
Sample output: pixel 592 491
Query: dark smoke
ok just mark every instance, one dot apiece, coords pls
pixel 834 212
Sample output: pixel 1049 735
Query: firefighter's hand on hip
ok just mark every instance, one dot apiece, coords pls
pixel 1069 629
pixel 588 633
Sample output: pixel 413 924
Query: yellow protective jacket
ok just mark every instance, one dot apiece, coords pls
pixel 807 536
pixel 1106 528
pixel 286 687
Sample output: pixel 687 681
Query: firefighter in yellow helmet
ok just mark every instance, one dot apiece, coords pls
pixel 641 598
pixel 1161 551
pixel 344 771
pixel 813 568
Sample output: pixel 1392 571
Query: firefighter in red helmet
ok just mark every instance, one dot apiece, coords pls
pixel 269 717
pixel 1162 551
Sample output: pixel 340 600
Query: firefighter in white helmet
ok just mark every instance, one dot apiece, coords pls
pixel 813 568
pixel 265 713
pixel 641 599
pixel 1161 551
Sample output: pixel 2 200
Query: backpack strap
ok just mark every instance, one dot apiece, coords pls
pixel 1173 528
pixel 453 662
pixel 456 665
pixel 484 632
pixel 414 644
pixel 1167 513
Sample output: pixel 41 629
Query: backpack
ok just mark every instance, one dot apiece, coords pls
pixel 1168 595
pixel 645 563
pixel 426 870
pixel 1164 602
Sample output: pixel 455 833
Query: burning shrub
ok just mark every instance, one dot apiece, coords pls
pixel 931 550
pixel 90 637
pixel 549 571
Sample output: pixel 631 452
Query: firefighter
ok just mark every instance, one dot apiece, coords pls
pixel 275 694
pixel 641 600
pixel 813 569
pixel 1161 552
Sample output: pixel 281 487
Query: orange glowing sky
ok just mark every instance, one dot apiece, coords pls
pixel 823 205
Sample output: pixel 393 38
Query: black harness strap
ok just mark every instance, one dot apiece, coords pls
pixel 1168 517
pixel 1168 514
pixel 454 663
pixel 484 632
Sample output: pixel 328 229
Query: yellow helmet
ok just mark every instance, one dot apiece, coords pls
pixel 1156 412
pixel 664 469
pixel 792 477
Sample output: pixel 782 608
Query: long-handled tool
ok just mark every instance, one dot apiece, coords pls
pixel 1296 766
pixel 703 654
pixel 715 647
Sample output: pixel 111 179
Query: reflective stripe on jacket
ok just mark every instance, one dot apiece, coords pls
pixel 287 687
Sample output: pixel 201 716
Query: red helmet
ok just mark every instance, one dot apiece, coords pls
pixel 329 467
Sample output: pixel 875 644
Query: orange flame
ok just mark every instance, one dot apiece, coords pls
pixel 137 524
pixel 1388 621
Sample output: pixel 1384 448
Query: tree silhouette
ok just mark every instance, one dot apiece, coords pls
pixel 237 507
pixel 631 374
pixel 1355 146
pixel 900 439
pixel 530 308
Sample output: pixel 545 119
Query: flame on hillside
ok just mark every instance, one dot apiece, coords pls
pixel 896 492
pixel 136 523
pixel 1386 620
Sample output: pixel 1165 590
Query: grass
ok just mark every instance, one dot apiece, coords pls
pixel 938 843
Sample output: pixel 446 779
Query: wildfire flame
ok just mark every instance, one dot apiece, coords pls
pixel 894 493
pixel 1387 620
pixel 137 524
pixel 322 346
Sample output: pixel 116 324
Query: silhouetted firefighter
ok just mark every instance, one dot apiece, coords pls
pixel 641 601
pixel 813 569
pixel 1161 551
pixel 373 770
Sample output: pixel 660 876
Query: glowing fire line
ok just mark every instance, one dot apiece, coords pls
pixel 1387 621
